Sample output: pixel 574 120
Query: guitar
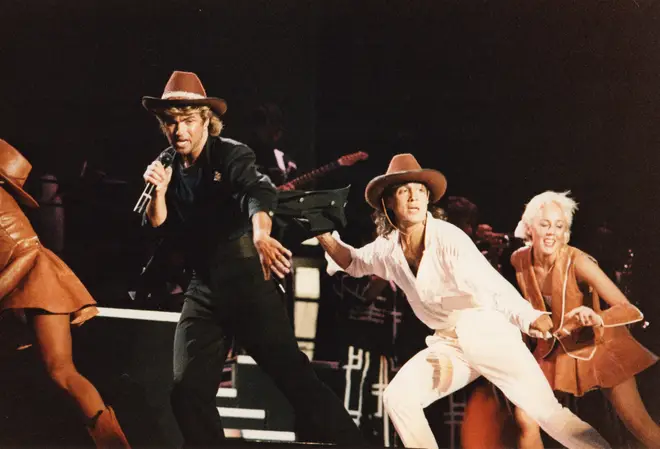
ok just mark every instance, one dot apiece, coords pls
pixel 344 161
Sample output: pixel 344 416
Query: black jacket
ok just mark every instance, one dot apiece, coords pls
pixel 230 191
pixel 212 229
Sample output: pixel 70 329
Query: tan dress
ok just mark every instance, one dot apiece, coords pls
pixel 590 357
pixel 32 276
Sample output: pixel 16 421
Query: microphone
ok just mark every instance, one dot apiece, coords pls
pixel 166 158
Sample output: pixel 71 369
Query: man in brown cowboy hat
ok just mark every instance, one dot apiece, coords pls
pixel 36 283
pixel 217 206
pixel 477 316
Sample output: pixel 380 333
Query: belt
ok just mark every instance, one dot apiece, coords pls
pixel 241 248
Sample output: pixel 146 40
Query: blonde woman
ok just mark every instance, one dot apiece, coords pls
pixel 591 348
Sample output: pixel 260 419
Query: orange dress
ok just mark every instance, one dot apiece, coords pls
pixel 32 276
pixel 588 358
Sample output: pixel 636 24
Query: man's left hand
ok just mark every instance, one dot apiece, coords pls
pixel 274 257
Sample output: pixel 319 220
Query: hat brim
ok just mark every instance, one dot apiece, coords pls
pixel 432 179
pixel 154 104
pixel 21 195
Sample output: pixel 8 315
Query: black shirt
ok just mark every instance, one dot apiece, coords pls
pixel 185 184
pixel 210 204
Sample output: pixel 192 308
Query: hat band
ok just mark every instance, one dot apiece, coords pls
pixel 180 94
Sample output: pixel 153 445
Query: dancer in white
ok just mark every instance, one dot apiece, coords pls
pixel 476 314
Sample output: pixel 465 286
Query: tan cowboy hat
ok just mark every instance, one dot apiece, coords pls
pixel 184 88
pixel 14 170
pixel 405 168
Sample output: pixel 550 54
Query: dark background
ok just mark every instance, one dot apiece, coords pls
pixel 508 98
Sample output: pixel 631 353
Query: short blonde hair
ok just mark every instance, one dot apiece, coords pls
pixel 532 209
pixel 215 124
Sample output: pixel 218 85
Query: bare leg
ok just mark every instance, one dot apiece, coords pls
pixel 530 432
pixel 53 334
pixel 630 408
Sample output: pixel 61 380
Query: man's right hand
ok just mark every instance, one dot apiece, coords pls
pixel 543 325
pixel 158 175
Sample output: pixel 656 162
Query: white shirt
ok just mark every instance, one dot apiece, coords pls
pixel 452 276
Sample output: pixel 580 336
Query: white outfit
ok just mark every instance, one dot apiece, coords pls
pixel 477 316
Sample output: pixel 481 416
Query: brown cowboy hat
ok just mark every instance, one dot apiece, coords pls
pixel 184 88
pixel 405 168
pixel 14 170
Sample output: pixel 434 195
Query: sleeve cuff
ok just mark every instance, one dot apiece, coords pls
pixel 333 267
pixel 255 210
pixel 260 203
pixel 255 206
pixel 621 315
pixel 351 268
pixel 529 317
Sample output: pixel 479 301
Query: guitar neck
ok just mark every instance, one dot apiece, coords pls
pixel 307 177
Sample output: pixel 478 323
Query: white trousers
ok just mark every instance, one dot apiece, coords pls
pixel 483 343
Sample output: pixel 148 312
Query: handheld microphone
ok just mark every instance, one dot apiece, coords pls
pixel 166 158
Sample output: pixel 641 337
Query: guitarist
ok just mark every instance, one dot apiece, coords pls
pixel 296 184
pixel 265 136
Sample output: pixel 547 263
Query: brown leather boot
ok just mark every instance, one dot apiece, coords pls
pixel 106 432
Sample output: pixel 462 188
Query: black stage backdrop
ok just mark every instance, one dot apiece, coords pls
pixel 508 98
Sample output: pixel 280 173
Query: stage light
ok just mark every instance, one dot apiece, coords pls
pixel 307 283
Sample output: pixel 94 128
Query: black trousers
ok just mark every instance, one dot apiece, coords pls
pixel 239 303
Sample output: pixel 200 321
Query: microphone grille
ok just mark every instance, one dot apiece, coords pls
pixel 166 157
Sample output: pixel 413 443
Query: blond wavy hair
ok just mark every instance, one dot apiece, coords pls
pixel 562 199
pixel 215 124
